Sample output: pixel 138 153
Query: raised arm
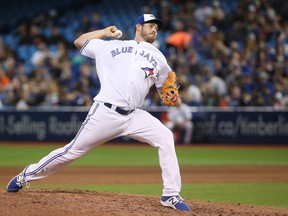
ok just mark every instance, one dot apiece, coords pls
pixel 108 32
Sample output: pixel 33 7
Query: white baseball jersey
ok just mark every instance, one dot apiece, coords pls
pixel 126 70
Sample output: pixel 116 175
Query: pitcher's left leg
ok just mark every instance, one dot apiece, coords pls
pixel 148 129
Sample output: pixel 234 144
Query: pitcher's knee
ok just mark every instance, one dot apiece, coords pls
pixel 170 136
pixel 167 139
pixel 166 134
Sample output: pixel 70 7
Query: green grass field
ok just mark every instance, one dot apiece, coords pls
pixel 266 194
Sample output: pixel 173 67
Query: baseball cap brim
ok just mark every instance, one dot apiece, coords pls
pixel 149 18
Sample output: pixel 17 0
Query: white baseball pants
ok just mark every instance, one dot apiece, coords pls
pixel 103 124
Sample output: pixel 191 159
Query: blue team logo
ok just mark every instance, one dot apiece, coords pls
pixel 148 71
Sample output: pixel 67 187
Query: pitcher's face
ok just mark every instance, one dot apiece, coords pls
pixel 149 32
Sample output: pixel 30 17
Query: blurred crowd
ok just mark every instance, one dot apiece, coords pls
pixel 235 56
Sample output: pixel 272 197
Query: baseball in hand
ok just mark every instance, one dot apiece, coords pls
pixel 118 33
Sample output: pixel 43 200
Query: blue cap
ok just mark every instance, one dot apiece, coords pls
pixel 149 18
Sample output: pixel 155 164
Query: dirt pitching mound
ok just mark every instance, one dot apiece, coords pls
pixel 85 203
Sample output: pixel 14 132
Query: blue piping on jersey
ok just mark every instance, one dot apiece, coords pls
pixel 66 150
pixel 84 45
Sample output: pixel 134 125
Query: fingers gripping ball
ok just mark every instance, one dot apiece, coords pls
pixel 118 33
pixel 170 90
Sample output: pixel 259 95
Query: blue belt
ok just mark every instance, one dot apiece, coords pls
pixel 119 110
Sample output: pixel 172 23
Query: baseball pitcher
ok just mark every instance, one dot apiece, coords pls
pixel 126 70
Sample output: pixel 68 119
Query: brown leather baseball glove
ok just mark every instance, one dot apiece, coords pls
pixel 170 90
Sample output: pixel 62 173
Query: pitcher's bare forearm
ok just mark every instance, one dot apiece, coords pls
pixel 108 32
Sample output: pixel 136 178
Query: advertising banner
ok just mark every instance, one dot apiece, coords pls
pixel 209 126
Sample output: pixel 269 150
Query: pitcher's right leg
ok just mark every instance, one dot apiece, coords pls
pixel 95 130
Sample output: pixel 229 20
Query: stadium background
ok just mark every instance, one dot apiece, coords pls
pixel 233 74
pixel 230 58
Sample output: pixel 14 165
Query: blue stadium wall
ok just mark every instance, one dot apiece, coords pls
pixel 210 125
